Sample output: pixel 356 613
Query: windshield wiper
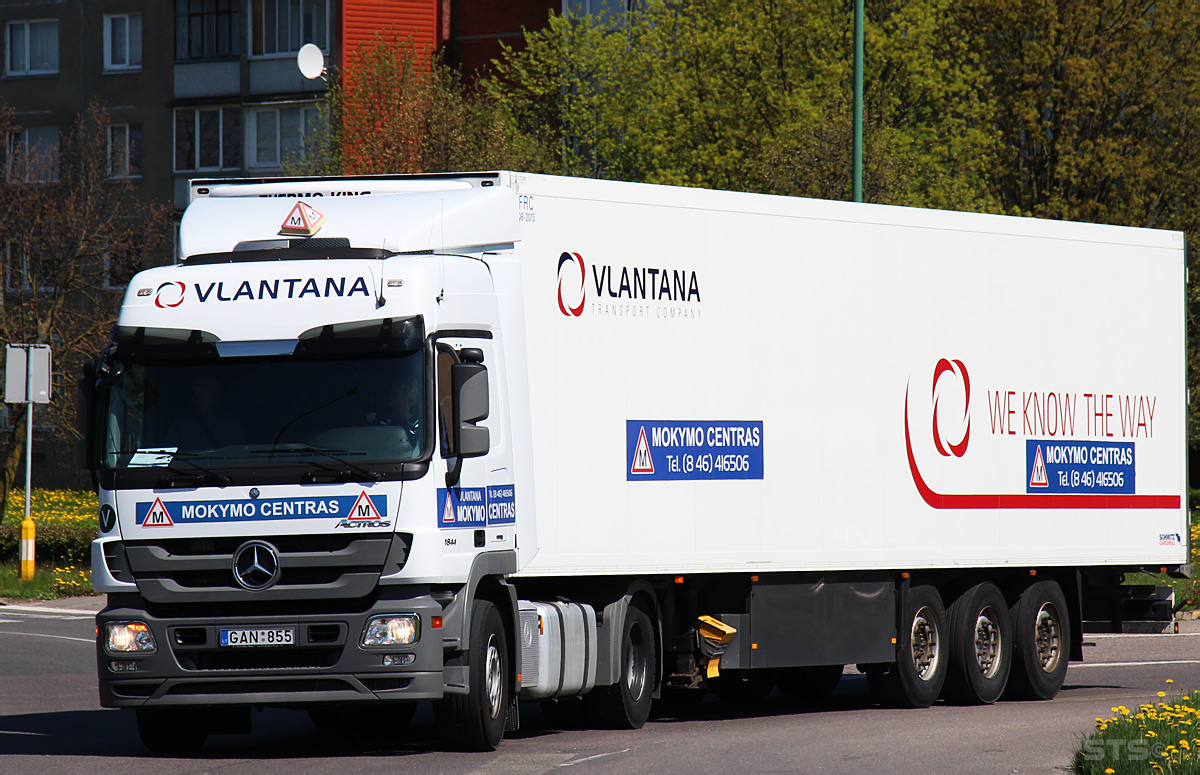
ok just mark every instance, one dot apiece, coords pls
pixel 292 449
pixel 207 473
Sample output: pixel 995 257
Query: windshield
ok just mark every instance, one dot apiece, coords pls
pixel 322 411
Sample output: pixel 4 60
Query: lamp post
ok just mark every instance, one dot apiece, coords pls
pixel 858 98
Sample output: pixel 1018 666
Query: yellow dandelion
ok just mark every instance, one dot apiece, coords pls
pixel 1151 733
pixel 1170 681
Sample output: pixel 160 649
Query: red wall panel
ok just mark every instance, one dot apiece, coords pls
pixel 363 19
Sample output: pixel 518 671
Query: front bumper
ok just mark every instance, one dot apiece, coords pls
pixel 327 663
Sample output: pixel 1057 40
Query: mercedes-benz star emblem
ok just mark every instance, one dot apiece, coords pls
pixel 256 565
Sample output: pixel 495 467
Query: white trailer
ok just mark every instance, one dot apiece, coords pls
pixel 495 436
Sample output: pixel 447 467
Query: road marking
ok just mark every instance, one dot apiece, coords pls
pixel 43 635
pixel 597 756
pixel 41 609
pixel 1098 636
pixel 1137 664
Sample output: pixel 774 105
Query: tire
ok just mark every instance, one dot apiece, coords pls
pixel 809 685
pixel 1041 642
pixel 981 640
pixel 742 687
pixel 475 721
pixel 626 704
pixel 916 678
pixel 172 730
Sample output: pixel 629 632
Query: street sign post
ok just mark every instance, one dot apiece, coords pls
pixel 27 381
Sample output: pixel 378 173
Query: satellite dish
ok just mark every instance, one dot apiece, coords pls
pixel 311 61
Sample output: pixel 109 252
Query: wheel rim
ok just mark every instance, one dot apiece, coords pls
pixel 636 663
pixel 493 677
pixel 1047 638
pixel 988 642
pixel 925 644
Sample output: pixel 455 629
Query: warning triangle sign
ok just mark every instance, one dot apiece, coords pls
pixel 642 462
pixel 1038 478
pixel 448 512
pixel 302 221
pixel 364 508
pixel 158 516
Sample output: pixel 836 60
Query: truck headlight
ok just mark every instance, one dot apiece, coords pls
pixel 392 630
pixel 126 637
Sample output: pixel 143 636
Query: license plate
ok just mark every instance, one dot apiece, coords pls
pixel 268 636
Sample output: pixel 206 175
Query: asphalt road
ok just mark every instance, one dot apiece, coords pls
pixel 50 721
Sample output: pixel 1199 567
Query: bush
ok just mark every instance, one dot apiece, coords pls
pixel 65 522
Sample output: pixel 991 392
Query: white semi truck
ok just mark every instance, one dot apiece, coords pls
pixel 489 437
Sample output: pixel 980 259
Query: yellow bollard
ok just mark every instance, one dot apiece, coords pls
pixel 28 533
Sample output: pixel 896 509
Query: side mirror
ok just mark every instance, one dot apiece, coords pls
pixel 468 381
pixel 85 415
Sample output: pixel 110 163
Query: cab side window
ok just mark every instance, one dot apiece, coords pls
pixel 445 408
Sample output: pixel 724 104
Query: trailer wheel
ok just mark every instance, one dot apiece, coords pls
pixel 916 678
pixel 1042 635
pixel 980 647
pixel 475 721
pixel 172 730
pixel 809 685
pixel 626 704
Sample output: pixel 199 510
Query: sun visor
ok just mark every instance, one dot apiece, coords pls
pixel 402 223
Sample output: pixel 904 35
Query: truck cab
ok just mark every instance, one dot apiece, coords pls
pixel 299 434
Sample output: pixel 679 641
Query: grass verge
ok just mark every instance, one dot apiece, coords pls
pixel 1156 737
pixel 48 582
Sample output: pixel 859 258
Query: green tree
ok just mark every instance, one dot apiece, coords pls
pixel 753 95
pixel 397 109
pixel 1098 107
pixel 71 235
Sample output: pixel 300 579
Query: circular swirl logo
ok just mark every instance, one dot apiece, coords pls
pixel 169 295
pixel 951 384
pixel 571 278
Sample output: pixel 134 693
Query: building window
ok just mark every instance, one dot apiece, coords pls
pixel 125 150
pixel 23 270
pixel 32 47
pixel 32 155
pixel 123 41
pixel 279 134
pixel 207 29
pixel 208 139
pixel 283 26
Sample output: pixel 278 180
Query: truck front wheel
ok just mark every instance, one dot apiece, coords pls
pixel 475 721
pixel 1042 634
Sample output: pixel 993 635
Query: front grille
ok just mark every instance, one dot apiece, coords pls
pixel 262 687
pixel 390 683
pixel 199 570
pixel 266 659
